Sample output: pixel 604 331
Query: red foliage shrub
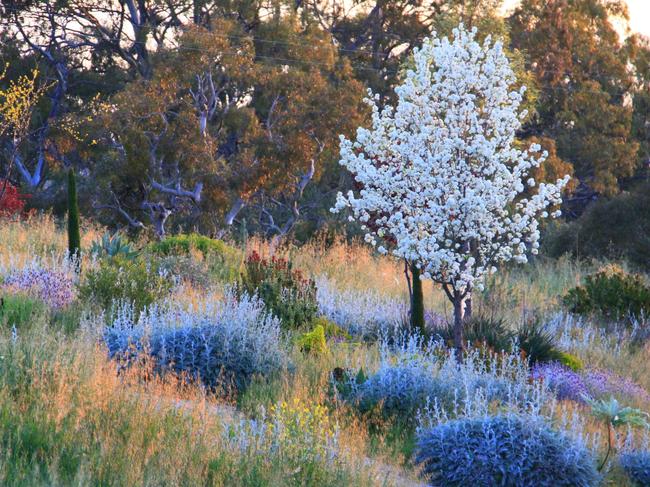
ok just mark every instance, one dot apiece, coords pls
pixel 11 201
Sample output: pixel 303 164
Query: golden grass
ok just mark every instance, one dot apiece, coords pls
pixel 121 430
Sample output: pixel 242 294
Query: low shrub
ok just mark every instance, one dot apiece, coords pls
pixel 331 329
pixel 120 279
pixel 480 332
pixel 571 361
pixel 20 311
pixel 636 464
pixel 594 383
pixel 409 379
pixel 564 382
pixel 286 293
pixel 313 341
pixel 537 343
pixel 183 267
pixel 505 450
pixel 223 260
pixel 610 292
pixel 217 343
pixel 363 314
pixel 54 288
pixel 534 340
pixel 12 201
pixel 603 383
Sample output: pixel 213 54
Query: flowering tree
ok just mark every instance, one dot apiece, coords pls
pixel 440 179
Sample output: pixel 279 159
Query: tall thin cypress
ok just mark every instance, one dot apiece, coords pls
pixel 417 302
pixel 74 236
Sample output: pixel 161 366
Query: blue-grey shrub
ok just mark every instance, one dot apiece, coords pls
pixel 506 450
pixel 230 340
pixel 636 465
pixel 364 314
pixel 409 378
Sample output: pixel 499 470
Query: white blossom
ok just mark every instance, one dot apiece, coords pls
pixel 442 180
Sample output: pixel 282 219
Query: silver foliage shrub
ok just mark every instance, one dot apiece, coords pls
pixel 232 340
pixel 365 314
pixel 412 374
pixel 507 450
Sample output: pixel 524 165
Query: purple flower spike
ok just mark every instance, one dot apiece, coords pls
pixel 54 288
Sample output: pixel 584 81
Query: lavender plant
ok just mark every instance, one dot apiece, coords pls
pixel 593 383
pixel 506 450
pixel 232 340
pixel 567 384
pixel 55 288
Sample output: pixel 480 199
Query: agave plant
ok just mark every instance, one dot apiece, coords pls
pixel 614 415
pixel 113 245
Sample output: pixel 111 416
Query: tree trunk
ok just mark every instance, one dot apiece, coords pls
pixel 459 321
pixel 417 302
pixel 468 307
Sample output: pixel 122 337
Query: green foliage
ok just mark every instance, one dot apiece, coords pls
pixel 613 415
pixel 112 246
pixel 193 271
pixel 481 332
pixel 493 334
pixel 611 412
pixel 223 260
pixel 74 237
pixel 20 311
pixel 615 229
pixel 537 344
pixel 284 291
pixel 313 341
pixel 571 361
pixel 332 330
pixel 610 292
pixel 119 279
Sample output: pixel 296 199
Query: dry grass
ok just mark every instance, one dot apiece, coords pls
pixel 68 418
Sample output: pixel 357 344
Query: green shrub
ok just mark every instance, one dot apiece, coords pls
pixel 613 229
pixel 119 279
pixel 223 260
pixel 331 329
pixel 195 272
pixel 571 361
pixel 313 341
pixel 285 292
pixel 20 311
pixel 610 292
